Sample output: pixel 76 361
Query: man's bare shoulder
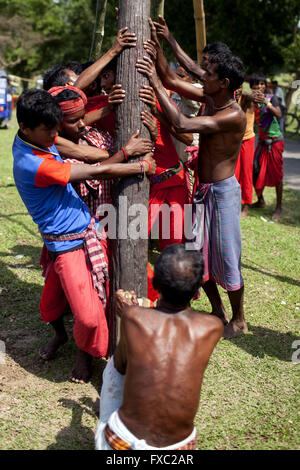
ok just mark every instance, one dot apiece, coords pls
pixel 207 323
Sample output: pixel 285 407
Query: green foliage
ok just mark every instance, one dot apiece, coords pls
pixel 36 34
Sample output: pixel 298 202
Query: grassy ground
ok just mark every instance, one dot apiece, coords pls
pixel 249 398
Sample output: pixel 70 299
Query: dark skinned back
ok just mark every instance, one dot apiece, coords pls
pixel 164 355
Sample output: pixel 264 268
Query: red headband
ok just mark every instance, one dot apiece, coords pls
pixel 70 106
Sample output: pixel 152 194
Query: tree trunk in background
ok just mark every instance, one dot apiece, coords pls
pixel 157 8
pixel 98 33
pixel 200 27
pixel 130 256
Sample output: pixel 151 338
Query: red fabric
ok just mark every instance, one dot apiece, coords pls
pixel 176 198
pixel 152 293
pixel 244 169
pixel 271 167
pixel 70 106
pixel 69 280
pixel 106 124
pixel 166 156
pixel 51 172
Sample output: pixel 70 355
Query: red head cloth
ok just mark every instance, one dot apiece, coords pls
pixel 70 106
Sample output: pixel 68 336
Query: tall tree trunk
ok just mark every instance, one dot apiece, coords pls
pixel 98 33
pixel 200 27
pixel 130 256
pixel 157 8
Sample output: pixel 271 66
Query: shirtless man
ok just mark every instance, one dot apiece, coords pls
pixel 217 197
pixel 150 395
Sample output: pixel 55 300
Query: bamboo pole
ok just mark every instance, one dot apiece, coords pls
pixel 199 16
pixel 98 32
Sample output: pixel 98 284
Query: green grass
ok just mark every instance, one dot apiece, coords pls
pixel 250 395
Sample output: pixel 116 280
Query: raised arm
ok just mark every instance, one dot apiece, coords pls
pixel 185 60
pixel 123 39
pixel 221 122
pixel 147 95
pixel 170 80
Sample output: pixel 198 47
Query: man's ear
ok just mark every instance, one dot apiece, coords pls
pixel 225 82
pixel 23 129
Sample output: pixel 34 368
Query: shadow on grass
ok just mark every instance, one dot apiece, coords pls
pixel 76 435
pixel 280 278
pixel 22 329
pixel 266 342
pixel 14 218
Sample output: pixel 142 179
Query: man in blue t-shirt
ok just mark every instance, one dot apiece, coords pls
pixel 76 272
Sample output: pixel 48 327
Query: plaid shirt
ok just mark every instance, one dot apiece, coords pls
pixel 94 192
pixel 116 443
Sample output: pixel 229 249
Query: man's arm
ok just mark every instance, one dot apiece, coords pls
pixel 123 39
pixel 147 95
pixel 170 80
pixel 84 153
pixel 116 96
pixel 187 63
pixel 203 124
pixel 273 105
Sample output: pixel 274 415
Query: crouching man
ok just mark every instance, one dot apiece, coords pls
pixel 151 386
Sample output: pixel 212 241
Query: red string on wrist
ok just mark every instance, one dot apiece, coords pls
pixel 149 165
pixel 125 154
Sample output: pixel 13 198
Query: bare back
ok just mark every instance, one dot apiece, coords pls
pixel 166 356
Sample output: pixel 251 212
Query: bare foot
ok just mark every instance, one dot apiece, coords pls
pixel 48 351
pixel 222 314
pixel 258 204
pixel 234 329
pixel 244 212
pixel 83 368
pixel 276 215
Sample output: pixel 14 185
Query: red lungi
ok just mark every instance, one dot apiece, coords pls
pixel 69 280
pixel 174 197
pixel 244 169
pixel 271 166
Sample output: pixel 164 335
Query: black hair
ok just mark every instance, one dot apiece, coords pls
pixel 66 95
pixel 76 67
pixel 215 47
pixel 229 66
pixel 112 65
pixel 178 274
pixel 56 76
pixel 255 78
pixel 35 107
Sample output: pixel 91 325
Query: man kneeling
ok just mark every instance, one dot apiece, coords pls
pixel 151 386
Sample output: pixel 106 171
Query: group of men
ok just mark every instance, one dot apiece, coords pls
pixel 64 167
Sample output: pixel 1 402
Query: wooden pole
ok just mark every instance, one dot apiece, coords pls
pixel 130 256
pixel 200 27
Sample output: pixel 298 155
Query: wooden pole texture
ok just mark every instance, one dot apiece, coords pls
pixel 200 27
pixel 130 256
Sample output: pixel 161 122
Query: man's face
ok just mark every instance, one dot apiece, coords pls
pixel 72 77
pixel 107 80
pixel 211 81
pixel 260 86
pixel 41 136
pixel 205 61
pixel 72 126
